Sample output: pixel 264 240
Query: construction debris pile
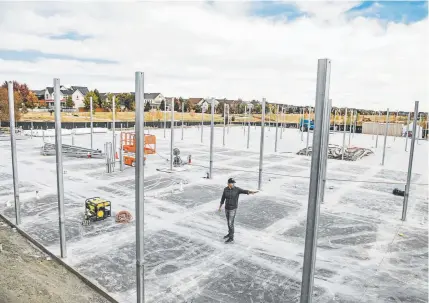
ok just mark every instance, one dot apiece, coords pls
pixel 336 152
pixel 48 149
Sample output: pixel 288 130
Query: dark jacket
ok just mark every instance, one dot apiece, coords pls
pixel 230 195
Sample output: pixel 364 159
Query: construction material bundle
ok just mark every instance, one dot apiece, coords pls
pixel 335 152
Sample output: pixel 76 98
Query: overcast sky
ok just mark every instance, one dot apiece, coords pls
pixel 241 49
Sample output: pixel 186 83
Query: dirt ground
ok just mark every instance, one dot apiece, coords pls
pixel 27 276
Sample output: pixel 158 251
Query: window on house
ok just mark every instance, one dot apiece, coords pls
pixel 77 97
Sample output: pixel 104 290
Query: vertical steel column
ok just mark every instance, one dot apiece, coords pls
pixel 396 123
pixel 281 124
pixel 408 129
pixel 335 118
pixel 113 130
pixel 248 127
pixel 183 111
pixel 139 186
pixel 301 126
pixel 172 133
pixel 13 151
pixel 308 130
pixel 350 130
pixel 410 163
pixel 224 124
pixel 269 119
pixel 373 126
pixel 261 148
pixel 244 121
pixel 378 129
pixel 277 128
pixel 325 150
pixel 165 117
pixel 212 138
pixel 121 156
pixel 91 123
pixel 385 137
pixel 60 172
pixel 344 134
pixel 320 139
pixel 202 124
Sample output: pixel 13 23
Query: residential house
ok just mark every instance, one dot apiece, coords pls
pixel 195 101
pixel 77 93
pixel 206 102
pixel 154 99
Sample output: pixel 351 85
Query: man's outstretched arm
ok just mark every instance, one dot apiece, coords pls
pixel 247 192
pixel 222 200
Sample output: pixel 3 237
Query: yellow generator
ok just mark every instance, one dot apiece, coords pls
pixel 96 209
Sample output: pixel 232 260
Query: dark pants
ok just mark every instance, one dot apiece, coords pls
pixel 230 216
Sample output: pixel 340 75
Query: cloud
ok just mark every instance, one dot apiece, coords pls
pixel 220 49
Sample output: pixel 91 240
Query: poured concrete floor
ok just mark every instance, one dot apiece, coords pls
pixel 365 252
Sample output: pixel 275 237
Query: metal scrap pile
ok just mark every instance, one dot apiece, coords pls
pixel 336 152
pixel 48 149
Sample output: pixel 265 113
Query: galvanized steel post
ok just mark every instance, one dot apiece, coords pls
pixel 91 123
pixel 408 129
pixel 139 186
pixel 410 163
pixel 183 110
pixel 385 137
pixel 60 171
pixel 172 133
pixel 277 128
pixel 13 151
pixel 224 124
pixel 212 138
pixel 378 130
pixel 248 126
pixel 320 140
pixel 165 117
pixel 261 148
pixel 114 129
pixel 308 130
pixel 344 134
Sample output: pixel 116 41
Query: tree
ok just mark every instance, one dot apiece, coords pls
pixel 162 105
pixel 147 107
pixel 177 105
pixel 220 108
pixel 258 108
pixel 97 93
pixel 4 104
pixel 95 100
pixel 27 96
pixel 127 100
pixel 189 106
pixel 197 108
pixel 69 102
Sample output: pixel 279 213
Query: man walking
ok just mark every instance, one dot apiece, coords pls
pixel 230 195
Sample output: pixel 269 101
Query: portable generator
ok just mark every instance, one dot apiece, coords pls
pixel 96 209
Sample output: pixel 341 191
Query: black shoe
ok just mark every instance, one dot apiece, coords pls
pixel 230 240
pixel 226 237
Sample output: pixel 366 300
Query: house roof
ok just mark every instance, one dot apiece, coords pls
pixel 67 92
pixel 195 101
pixel 151 95
pixel 83 89
pixel 39 92
pixel 50 89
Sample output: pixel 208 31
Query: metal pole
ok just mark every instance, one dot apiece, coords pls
pixel 269 119
pixel 72 137
pixel 350 130
pixel 308 131
pixel 13 151
pixel 224 124
pixel 172 133
pixel 373 127
pixel 211 138
pixel 301 126
pixel 165 117
pixel 378 130
pixel 91 123
pixel 248 127
pixel 244 121
pixel 410 163
pixel 385 137
pixel 320 139
pixel 408 129
pixel 335 118
pixel 282 116
pixel 202 124
pixel 344 134
pixel 59 160
pixel 139 186
pixel 121 156
pixel 183 111
pixel 114 128
pixel 325 149
pixel 277 128
pixel 396 123
pixel 261 148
